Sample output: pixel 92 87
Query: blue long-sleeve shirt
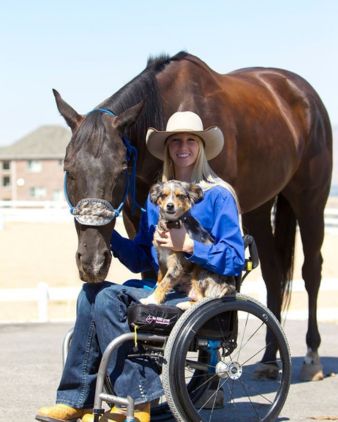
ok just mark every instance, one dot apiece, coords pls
pixel 216 212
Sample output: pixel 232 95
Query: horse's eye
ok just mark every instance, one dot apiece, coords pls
pixel 124 166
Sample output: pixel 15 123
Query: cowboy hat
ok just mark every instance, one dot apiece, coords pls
pixel 182 122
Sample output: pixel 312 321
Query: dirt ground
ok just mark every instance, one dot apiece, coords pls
pixel 31 253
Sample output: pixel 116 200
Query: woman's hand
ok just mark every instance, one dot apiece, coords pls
pixel 177 240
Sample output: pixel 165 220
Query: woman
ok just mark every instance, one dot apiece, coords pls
pixel 184 147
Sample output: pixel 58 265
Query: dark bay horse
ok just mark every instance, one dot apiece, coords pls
pixel 277 153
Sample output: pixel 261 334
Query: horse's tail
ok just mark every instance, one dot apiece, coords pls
pixel 284 233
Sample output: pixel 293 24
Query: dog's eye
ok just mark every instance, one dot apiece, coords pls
pixel 182 196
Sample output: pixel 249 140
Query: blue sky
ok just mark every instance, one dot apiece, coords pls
pixel 89 49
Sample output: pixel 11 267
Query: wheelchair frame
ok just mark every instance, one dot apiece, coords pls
pixel 178 344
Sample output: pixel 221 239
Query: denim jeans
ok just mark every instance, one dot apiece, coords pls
pixel 101 317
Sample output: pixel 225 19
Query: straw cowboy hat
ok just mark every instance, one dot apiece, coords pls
pixel 182 122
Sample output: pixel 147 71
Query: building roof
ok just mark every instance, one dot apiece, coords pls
pixel 46 142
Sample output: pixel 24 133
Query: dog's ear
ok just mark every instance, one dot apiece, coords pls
pixel 155 192
pixel 195 192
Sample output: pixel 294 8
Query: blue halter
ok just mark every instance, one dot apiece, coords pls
pixel 109 211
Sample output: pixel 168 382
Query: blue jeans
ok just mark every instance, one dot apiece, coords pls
pixel 101 317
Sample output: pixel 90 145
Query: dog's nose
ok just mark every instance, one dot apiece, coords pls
pixel 170 206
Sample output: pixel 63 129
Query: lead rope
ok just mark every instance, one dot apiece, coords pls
pixel 131 156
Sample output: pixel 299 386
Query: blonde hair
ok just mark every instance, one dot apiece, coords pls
pixel 202 173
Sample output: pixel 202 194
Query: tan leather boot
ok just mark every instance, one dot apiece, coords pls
pixel 60 413
pixel 117 414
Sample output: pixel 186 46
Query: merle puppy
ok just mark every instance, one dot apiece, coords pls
pixel 175 200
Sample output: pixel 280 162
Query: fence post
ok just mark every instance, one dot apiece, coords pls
pixel 43 298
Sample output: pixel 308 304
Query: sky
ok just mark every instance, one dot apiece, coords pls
pixel 87 50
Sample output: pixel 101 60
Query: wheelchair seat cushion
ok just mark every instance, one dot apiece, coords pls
pixel 158 319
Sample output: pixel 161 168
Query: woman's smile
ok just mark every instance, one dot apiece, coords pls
pixel 183 149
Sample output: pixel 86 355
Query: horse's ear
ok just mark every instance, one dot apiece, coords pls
pixel 154 192
pixel 73 119
pixel 128 117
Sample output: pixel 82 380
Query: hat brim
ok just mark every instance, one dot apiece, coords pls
pixel 212 137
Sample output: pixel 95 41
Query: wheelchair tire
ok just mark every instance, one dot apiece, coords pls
pixel 245 398
pixel 161 412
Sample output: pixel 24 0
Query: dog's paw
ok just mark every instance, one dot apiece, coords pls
pixel 184 306
pixel 148 300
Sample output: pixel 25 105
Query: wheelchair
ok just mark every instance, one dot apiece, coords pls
pixel 207 360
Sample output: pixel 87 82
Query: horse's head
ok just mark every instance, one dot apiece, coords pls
pixel 96 166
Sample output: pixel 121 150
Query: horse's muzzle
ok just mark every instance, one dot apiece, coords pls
pixel 95 269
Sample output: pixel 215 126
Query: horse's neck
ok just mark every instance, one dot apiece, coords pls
pixel 183 85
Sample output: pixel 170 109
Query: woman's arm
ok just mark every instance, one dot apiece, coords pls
pixel 226 255
pixel 135 253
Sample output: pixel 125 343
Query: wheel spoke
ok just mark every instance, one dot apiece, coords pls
pixel 198 392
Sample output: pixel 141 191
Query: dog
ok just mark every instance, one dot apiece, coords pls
pixel 175 199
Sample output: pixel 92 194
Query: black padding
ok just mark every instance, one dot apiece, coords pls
pixel 158 319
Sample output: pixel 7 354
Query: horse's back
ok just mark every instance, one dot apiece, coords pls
pixel 274 124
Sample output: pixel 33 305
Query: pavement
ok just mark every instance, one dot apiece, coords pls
pixel 31 363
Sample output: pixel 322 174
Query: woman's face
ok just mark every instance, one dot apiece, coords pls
pixel 183 149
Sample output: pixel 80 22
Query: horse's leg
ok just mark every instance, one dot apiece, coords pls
pixel 258 224
pixel 311 224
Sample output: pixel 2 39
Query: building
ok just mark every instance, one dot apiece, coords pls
pixel 32 168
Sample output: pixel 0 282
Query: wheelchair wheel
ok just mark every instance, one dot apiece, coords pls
pixel 232 331
pixel 160 410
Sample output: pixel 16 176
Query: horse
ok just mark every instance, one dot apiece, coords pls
pixel 277 155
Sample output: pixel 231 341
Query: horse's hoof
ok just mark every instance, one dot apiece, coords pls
pixel 311 372
pixel 266 371
pixel 312 369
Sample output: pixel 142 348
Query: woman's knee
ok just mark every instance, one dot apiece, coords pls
pixel 109 299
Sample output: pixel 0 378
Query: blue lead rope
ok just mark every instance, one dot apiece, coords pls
pixel 65 192
pixel 131 156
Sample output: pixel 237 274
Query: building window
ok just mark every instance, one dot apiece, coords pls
pixel 37 192
pixel 34 166
pixel 6 165
pixel 6 181
pixel 58 195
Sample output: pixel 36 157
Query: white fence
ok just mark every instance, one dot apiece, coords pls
pixel 331 217
pixel 57 211
pixel 51 211
pixel 43 295
pixel 34 211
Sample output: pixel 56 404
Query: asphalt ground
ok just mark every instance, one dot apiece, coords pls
pixel 31 362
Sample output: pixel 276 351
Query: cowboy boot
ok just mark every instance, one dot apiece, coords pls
pixel 60 413
pixel 118 414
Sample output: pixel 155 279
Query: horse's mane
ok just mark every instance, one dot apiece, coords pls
pixel 142 88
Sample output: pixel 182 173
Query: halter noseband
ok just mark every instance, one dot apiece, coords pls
pixel 99 212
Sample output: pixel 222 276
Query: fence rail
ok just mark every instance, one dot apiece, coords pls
pixel 56 211
pixel 43 295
